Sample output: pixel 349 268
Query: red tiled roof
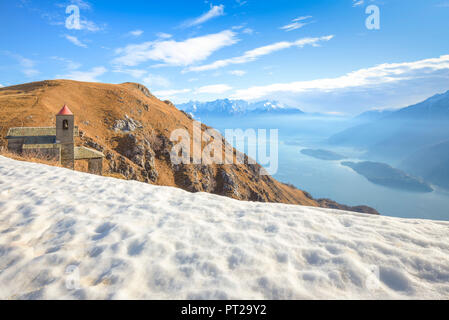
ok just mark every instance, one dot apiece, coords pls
pixel 65 111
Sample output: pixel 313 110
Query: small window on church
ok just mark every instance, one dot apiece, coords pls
pixel 65 124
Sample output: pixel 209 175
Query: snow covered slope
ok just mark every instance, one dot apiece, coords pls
pixel 66 234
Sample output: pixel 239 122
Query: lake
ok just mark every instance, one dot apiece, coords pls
pixel 330 179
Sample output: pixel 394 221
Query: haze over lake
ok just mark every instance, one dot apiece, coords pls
pixel 330 179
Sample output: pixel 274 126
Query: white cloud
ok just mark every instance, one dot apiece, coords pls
pixel 69 64
pixel 89 76
pixel 135 33
pixel 214 89
pixel 84 5
pixel 81 4
pixel 24 62
pixel 254 54
pixel 356 3
pixel 75 41
pixel 238 73
pixel 168 94
pixel 135 73
pixel 384 73
pixel 84 24
pixel 296 23
pixel 244 30
pixel 163 35
pixel 153 80
pixel 1 85
pixel 377 83
pixel 215 11
pixel 241 2
pixel 175 53
pixel 27 65
pixel 89 26
pixel 150 80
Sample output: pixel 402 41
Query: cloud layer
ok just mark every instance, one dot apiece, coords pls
pixel 384 85
pixel 296 23
pixel 215 11
pixel 175 53
pixel 89 76
pixel 75 41
pixel 214 89
pixel 381 74
pixel 254 54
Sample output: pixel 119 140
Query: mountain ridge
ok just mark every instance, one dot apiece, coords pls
pixel 229 107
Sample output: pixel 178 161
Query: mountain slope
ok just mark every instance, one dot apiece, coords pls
pixel 372 115
pixel 66 234
pixel 402 132
pixel 132 128
pixel 430 163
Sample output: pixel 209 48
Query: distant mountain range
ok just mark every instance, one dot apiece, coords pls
pixel 372 115
pixel 415 138
pixel 228 108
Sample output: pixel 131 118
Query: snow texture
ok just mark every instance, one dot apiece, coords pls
pixel 71 235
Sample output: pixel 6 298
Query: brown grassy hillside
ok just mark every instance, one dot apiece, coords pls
pixel 143 153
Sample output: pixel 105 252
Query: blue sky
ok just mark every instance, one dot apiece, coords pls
pixel 317 55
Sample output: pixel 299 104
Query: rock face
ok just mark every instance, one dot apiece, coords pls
pixel 133 128
pixel 134 152
pixel 142 89
pixel 126 125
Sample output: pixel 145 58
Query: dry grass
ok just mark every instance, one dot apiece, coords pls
pixel 82 166
pixel 30 157
pixel 114 175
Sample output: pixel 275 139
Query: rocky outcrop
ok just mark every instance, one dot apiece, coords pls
pixel 126 125
pixel 89 142
pixel 168 102
pixel 150 165
pixel 134 151
pixel 141 88
pixel 230 186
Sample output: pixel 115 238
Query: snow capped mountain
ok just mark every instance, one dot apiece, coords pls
pixel 227 107
pixel 70 235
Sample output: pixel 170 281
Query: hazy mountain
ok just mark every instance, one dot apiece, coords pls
pixel 430 163
pixel 372 115
pixel 401 132
pixel 385 175
pixel 227 108
pixel 416 138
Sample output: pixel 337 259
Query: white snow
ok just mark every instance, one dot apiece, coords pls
pixel 70 235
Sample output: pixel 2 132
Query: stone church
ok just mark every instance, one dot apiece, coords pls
pixel 55 142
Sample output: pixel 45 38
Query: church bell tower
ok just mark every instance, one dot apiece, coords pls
pixel 65 123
